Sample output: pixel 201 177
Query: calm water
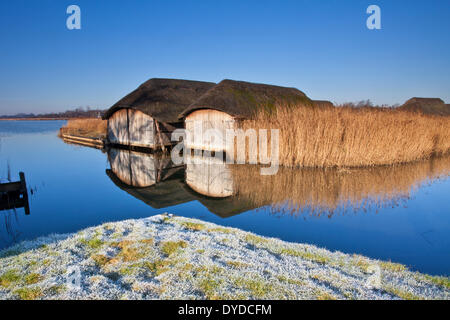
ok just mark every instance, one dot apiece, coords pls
pixel 400 214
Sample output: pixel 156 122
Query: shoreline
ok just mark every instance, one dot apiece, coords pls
pixel 394 164
pixel 78 135
pixel 39 119
pixel 169 257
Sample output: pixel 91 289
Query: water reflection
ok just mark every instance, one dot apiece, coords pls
pixel 156 181
pixel 331 191
pixel 140 169
pixel 209 176
pixel 167 193
pixel 228 190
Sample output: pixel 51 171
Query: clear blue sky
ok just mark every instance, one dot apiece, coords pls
pixel 321 47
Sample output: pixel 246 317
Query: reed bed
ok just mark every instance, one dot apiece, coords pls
pixel 89 128
pixel 353 137
pixel 319 191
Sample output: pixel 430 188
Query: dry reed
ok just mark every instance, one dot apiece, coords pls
pixel 349 137
pixel 89 128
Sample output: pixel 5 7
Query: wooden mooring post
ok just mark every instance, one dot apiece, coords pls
pixel 15 195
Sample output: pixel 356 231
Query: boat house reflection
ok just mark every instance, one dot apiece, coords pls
pixel 228 190
pixel 140 169
pixel 209 176
pixel 156 181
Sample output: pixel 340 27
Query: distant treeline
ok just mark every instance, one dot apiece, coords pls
pixel 70 114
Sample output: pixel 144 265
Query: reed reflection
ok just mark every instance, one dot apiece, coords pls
pixel 331 191
pixel 228 190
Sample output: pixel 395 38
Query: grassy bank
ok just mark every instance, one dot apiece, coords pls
pixel 89 128
pixel 353 137
pixel 166 257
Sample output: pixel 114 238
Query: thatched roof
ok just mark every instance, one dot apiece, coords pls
pixel 241 99
pixel 323 103
pixel 162 99
pixel 434 106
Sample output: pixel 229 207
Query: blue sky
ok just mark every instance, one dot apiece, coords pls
pixel 321 47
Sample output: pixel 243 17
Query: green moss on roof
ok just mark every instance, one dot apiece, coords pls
pixel 243 99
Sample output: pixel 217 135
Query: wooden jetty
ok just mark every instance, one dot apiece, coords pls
pixel 84 141
pixel 14 195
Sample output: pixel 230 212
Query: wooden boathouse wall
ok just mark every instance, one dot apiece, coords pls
pixel 209 119
pixel 130 127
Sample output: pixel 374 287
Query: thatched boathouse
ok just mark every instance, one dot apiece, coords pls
pixel 431 106
pixel 230 101
pixel 323 103
pixel 147 116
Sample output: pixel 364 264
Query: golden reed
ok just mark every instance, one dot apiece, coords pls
pixel 91 128
pixel 353 137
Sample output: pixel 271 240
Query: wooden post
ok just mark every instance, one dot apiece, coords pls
pixel 159 136
pixel 24 191
pixel 107 132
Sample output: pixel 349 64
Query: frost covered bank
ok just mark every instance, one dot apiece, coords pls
pixel 166 257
